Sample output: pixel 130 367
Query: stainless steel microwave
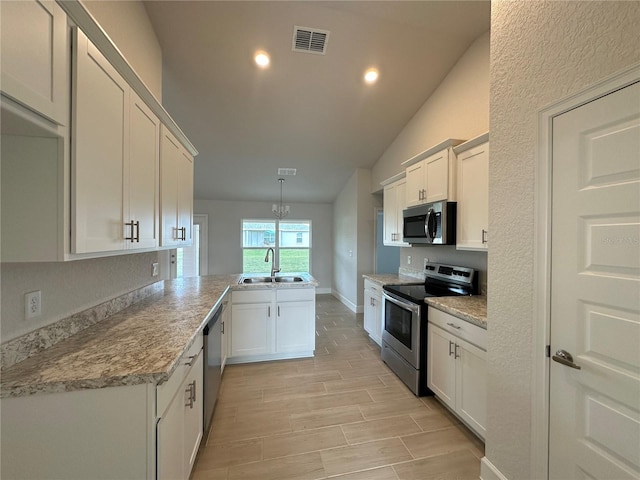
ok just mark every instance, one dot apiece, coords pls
pixel 432 224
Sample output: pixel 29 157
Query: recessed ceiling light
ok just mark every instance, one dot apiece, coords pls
pixel 262 59
pixel 371 75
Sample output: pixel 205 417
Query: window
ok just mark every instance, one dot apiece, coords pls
pixel 290 239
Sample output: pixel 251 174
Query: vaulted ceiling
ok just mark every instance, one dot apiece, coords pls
pixel 309 112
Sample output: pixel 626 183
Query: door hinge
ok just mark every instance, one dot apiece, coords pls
pixel 548 351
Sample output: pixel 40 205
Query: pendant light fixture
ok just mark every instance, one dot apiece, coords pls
pixel 280 210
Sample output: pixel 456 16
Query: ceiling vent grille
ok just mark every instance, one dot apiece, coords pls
pixel 310 40
pixel 287 171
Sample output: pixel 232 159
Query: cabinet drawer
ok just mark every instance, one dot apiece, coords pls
pixel 295 294
pixel 167 390
pixel 458 327
pixel 373 286
pixel 252 296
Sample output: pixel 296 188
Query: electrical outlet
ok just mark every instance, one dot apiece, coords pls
pixel 408 259
pixel 154 269
pixel 32 304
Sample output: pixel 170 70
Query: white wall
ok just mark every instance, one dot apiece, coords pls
pixel 541 52
pixel 459 108
pixel 225 233
pixel 128 25
pixel 74 286
pixel 353 235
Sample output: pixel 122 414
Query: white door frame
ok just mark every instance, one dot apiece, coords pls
pixel 203 220
pixel 542 259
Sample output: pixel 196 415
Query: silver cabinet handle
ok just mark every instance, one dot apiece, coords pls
pixel 450 345
pixel 484 235
pixel 191 390
pixel 222 327
pixel 135 231
pixel 278 310
pixel 453 325
pixel 565 358
pixel 269 311
pixel 455 351
pixel 190 362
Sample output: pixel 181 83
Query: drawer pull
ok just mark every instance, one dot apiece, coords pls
pixel 450 345
pixel 455 354
pixel 191 390
pixel 190 362
pixel 453 325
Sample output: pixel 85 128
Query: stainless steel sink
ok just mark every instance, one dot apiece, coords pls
pixel 283 279
pixel 256 280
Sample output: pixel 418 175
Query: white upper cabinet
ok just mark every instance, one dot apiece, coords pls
pixel 394 201
pixel 176 192
pixel 115 159
pixel 34 52
pixel 100 148
pixel 431 175
pixel 142 186
pixel 473 194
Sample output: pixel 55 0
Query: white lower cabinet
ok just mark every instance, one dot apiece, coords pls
pixel 373 311
pixel 456 367
pixel 224 332
pixel 135 431
pixel 272 324
pixel 179 430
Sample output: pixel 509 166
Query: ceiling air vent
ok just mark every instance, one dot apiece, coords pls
pixel 286 171
pixel 310 40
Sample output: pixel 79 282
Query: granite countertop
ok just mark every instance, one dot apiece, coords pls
pixel 390 278
pixel 140 344
pixel 473 309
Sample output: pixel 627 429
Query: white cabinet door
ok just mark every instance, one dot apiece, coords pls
pixel 415 193
pixel 473 198
pixel 142 177
pixel 176 192
pixel 100 147
pixel 34 57
pixel 251 329
pixel 441 365
pixel 170 440
pixel 437 177
pixel 394 201
pixel 390 214
pixel 193 415
pixel 471 385
pixel 373 311
pixel 292 326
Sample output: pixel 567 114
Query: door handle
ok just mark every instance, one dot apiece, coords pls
pixel 565 358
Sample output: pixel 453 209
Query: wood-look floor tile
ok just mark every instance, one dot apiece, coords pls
pixel 303 442
pixel 378 429
pixel 383 473
pixel 394 392
pixel 342 399
pixel 307 466
pixel 428 444
pixel 296 405
pixel 257 427
pixel 325 418
pixel 215 474
pixel 279 394
pixel 359 383
pixel 230 453
pixel 460 465
pixel 363 456
pixel 364 371
pixel 435 420
pixel 391 408
pixel 312 377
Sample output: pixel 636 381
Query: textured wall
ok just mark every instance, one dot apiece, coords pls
pixel 129 27
pixel 459 108
pixel 540 53
pixel 225 233
pixel 367 208
pixel 345 241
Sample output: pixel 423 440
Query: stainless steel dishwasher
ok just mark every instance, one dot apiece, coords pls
pixel 213 362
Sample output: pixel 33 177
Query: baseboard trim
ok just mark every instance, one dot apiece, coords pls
pixel 323 291
pixel 488 471
pixel 345 301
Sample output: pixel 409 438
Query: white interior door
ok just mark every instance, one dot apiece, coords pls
pixel 594 429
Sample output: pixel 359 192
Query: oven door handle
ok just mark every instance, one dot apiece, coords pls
pixel 409 306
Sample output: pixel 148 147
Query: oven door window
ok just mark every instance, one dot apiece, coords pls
pixel 397 321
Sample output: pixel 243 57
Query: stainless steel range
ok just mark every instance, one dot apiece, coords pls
pixel 404 336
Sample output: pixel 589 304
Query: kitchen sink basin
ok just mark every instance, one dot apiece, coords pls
pixel 289 279
pixel 283 279
pixel 256 280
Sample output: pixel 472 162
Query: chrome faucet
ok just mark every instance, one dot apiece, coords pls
pixel 273 258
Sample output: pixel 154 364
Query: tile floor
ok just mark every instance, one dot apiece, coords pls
pixel 341 414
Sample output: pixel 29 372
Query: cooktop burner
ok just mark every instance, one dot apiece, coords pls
pixel 440 281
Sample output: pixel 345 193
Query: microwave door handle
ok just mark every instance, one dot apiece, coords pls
pixel 428 231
